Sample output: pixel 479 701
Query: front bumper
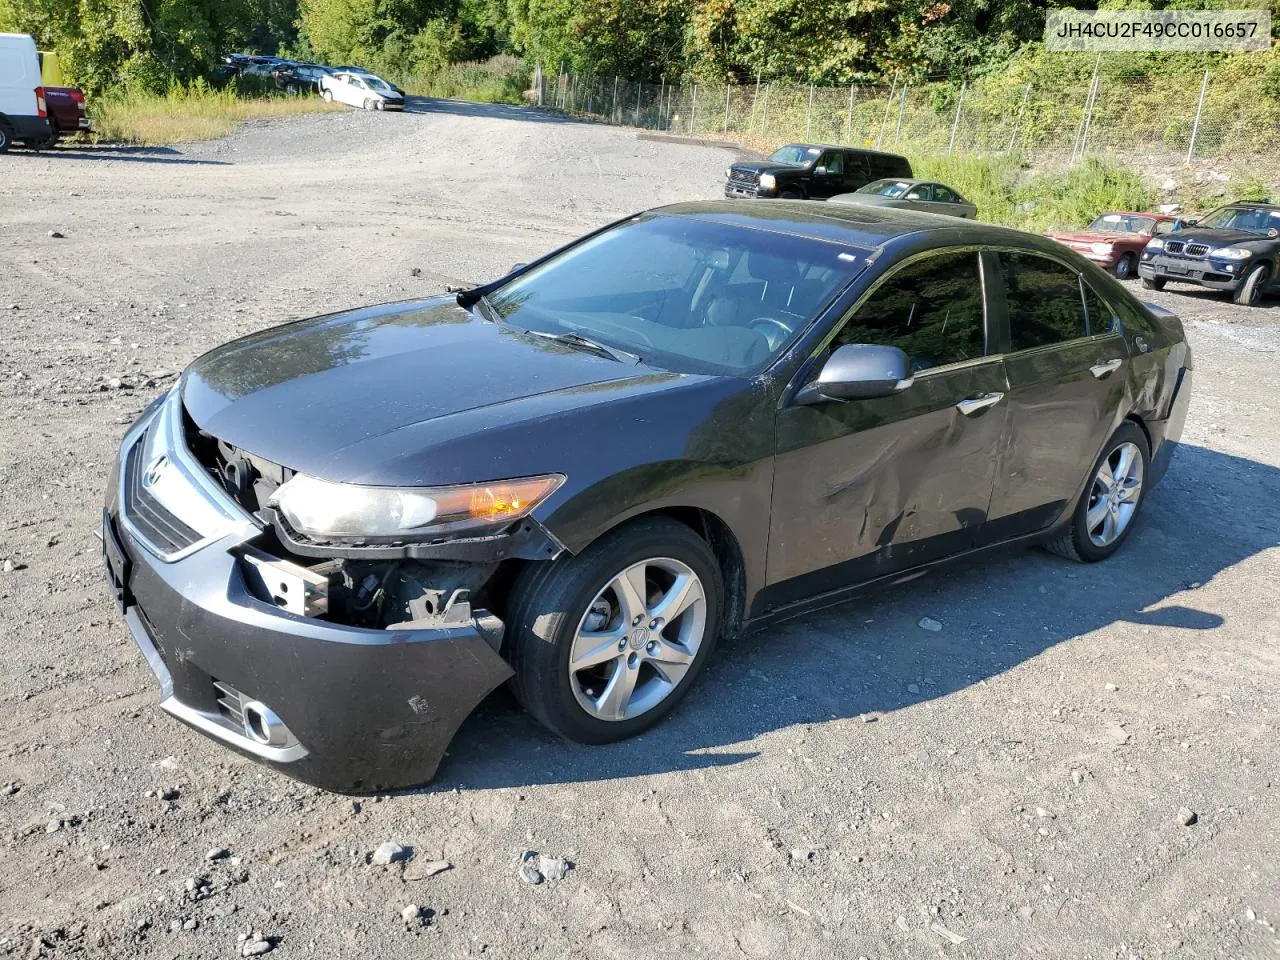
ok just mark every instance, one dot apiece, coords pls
pixel 735 191
pixel 362 709
pixel 1214 274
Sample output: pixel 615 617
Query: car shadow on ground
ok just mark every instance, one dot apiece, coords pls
pixel 869 657
pixel 494 111
pixel 1198 295
pixel 84 151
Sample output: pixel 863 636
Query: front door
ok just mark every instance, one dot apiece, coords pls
pixel 865 488
pixel 1066 361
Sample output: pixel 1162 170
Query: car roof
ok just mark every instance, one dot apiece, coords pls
pixel 836 146
pixel 852 224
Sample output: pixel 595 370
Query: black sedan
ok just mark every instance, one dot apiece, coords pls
pixel 333 538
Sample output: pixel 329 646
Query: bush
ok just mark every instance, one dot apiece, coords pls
pixel 501 79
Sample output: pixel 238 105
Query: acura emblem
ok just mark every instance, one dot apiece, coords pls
pixel 154 469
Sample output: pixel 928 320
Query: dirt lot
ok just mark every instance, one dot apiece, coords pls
pixel 849 784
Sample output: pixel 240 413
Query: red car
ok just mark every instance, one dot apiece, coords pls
pixel 66 108
pixel 1114 241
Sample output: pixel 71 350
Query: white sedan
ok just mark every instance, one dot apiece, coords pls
pixel 361 90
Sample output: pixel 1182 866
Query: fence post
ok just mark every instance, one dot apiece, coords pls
pixel 902 109
pixel 1195 127
pixel 1017 124
pixel 808 114
pixel 888 105
pixel 1088 120
pixel 764 111
pixel 639 88
pixel 613 109
pixel 848 122
pixel 955 124
pixel 754 100
pixel 693 109
pixel 1077 148
pixel 726 109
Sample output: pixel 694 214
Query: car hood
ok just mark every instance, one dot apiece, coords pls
pixel 1217 238
pixel 378 395
pixel 1097 236
pixel 765 166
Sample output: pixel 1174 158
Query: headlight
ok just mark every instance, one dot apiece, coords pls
pixel 1155 243
pixel 1101 249
pixel 767 181
pixel 1232 253
pixel 322 509
pixel 728 173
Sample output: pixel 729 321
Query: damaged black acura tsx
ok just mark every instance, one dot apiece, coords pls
pixel 333 538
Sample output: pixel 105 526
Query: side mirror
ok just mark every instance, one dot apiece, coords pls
pixel 819 171
pixel 859 371
pixel 1190 221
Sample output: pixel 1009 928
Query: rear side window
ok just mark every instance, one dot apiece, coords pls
pixel 944 195
pixel 1046 305
pixel 885 166
pixel 930 309
pixel 1099 318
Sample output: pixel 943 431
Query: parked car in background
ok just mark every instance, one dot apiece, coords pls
pixel 363 72
pixel 299 77
pixel 333 538
pixel 811 171
pixel 364 90
pixel 1236 249
pixel 927 196
pixel 67 113
pixel 23 112
pixel 1115 240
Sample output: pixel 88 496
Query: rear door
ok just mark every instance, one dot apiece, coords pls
pixel 869 487
pixel 1066 360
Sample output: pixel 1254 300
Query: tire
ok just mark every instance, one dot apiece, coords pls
pixel 49 142
pixel 6 137
pixel 368 104
pixel 1153 283
pixel 791 195
pixel 1125 267
pixel 551 603
pixel 1249 293
pixel 328 96
pixel 1085 538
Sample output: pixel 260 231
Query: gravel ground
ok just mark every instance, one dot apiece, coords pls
pixel 851 783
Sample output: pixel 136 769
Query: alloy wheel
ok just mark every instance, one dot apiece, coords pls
pixel 1114 496
pixel 637 639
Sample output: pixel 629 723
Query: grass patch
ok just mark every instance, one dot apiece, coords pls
pixel 189 113
pixel 501 79
pixel 1006 191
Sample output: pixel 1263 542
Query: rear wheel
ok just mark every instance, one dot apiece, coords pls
pixel 606 643
pixel 1153 283
pixel 1105 513
pixel 1125 267
pixel 6 137
pixel 49 142
pixel 1250 292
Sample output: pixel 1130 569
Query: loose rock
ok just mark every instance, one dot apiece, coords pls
pixel 553 868
pixel 1187 816
pixel 930 624
pixel 217 853
pixel 56 235
pixel 426 868
pixel 389 853
pixel 256 948
pixel 411 915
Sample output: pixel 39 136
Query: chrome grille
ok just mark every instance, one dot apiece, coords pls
pixel 1197 249
pixel 743 178
pixel 1174 247
pixel 150 518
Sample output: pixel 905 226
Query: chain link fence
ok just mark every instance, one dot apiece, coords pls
pixel 1124 115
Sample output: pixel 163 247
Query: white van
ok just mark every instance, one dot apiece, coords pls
pixel 22 109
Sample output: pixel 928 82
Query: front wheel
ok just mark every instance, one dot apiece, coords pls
pixel 791 195
pixel 1250 292
pixel 1106 510
pixel 368 104
pixel 1125 267
pixel 328 96
pixel 606 643
pixel 1153 283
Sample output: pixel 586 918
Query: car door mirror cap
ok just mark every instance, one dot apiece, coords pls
pixel 819 171
pixel 859 371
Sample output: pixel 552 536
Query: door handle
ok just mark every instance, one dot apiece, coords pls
pixel 1104 368
pixel 974 405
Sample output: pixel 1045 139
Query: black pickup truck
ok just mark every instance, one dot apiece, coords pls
pixel 801 171
pixel 1235 248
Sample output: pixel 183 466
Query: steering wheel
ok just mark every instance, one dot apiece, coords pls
pixel 775 331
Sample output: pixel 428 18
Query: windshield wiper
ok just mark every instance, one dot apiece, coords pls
pixel 471 298
pixel 586 343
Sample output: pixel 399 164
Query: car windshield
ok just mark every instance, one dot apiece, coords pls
pixel 377 83
pixel 687 295
pixel 886 188
pixel 795 155
pixel 1122 223
pixel 1263 222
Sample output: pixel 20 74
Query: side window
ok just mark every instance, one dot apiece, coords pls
pixel 833 160
pixel 943 194
pixel 921 191
pixel 930 309
pixel 1099 318
pixel 1045 302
